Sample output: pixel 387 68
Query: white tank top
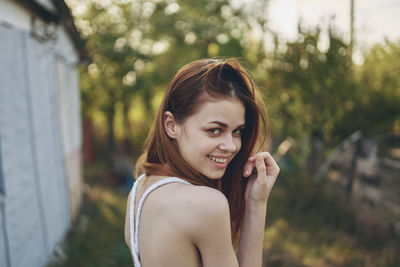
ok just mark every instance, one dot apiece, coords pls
pixel 134 224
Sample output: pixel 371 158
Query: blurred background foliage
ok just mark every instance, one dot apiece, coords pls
pixel 137 47
pixel 316 97
pixel 309 85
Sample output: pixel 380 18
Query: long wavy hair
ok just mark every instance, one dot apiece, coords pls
pixel 216 79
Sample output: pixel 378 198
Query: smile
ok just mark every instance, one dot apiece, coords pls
pixel 218 160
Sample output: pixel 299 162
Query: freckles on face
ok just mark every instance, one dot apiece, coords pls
pixel 210 138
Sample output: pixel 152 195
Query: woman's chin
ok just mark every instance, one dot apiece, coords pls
pixel 215 176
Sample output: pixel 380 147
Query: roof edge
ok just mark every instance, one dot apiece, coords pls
pixel 68 22
pixel 41 11
pixel 61 16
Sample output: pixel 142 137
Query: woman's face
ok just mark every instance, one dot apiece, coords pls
pixel 209 139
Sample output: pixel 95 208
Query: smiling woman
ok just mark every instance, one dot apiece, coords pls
pixel 212 186
pixel 209 139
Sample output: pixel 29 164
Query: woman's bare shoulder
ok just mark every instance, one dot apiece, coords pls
pixel 200 207
pixel 202 197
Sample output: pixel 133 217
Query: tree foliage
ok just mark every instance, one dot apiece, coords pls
pixel 312 86
pixel 317 98
pixel 377 105
pixel 311 90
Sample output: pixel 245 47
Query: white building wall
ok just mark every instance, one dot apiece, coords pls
pixel 13 14
pixel 68 99
pixel 65 49
pixel 40 139
pixel 23 214
pixel 47 139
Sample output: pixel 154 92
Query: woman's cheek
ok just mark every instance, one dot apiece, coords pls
pixel 238 145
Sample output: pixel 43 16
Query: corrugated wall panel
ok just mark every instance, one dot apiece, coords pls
pixel 69 105
pixel 68 93
pixel 24 225
pixel 4 260
pixel 59 154
pixel 4 254
pixel 43 94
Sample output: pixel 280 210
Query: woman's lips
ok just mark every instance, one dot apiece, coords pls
pixel 220 162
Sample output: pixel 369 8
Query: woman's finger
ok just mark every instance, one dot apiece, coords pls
pixel 270 160
pixel 248 168
pixel 272 168
pixel 260 165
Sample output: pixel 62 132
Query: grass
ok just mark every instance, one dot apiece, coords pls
pixel 308 226
pixel 305 227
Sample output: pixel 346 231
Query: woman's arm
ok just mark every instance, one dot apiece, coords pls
pixel 250 247
pixel 208 222
pixel 258 188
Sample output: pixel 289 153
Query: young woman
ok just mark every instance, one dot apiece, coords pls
pixel 202 197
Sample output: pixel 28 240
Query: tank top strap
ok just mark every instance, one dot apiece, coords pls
pixel 134 224
pixel 131 217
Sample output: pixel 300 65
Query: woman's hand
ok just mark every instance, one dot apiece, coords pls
pixel 262 171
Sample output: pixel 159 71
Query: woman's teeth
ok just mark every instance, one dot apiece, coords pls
pixel 219 160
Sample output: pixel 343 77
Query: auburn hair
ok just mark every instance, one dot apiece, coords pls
pixel 216 79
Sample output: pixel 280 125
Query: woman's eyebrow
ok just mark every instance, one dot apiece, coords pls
pixel 224 125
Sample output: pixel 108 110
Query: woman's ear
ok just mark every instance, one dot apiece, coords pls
pixel 170 125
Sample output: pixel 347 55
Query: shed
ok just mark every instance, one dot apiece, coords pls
pixel 40 129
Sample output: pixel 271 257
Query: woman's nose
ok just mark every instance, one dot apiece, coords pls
pixel 228 144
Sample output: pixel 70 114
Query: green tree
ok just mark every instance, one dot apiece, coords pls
pixel 377 104
pixel 311 89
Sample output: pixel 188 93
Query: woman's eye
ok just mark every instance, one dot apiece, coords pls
pixel 237 132
pixel 214 131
